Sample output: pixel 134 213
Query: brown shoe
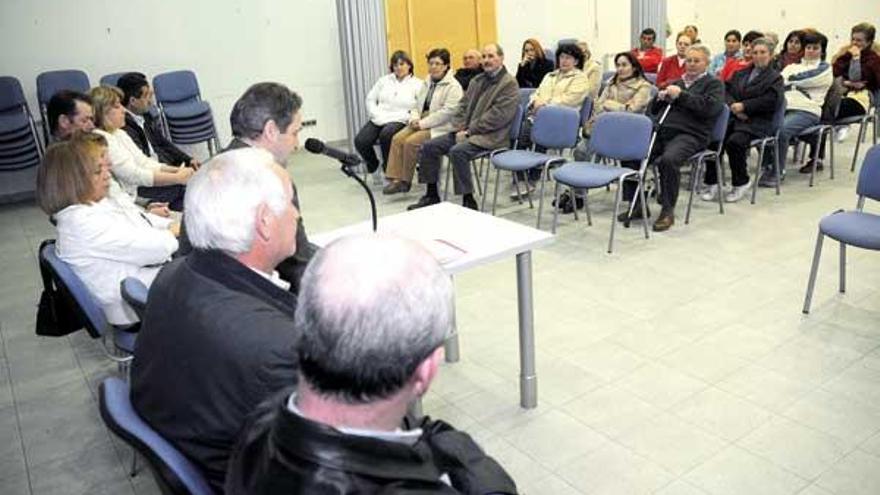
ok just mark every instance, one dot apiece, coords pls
pixel 664 221
pixel 396 186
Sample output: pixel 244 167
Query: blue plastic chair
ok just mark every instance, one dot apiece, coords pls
pixel 525 94
pixel 112 79
pixel 51 82
pixel 699 160
pixel 96 323
pixel 762 144
pixel 174 473
pixel 134 292
pixel 618 136
pixel 586 110
pixel 651 77
pixel 870 116
pixel 187 118
pixel 554 128
pixel 856 228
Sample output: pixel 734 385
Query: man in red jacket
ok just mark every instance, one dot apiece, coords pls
pixel 647 54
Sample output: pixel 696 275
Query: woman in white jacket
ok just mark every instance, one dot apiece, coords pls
pixel 435 105
pixel 104 242
pixel 136 172
pixel 388 105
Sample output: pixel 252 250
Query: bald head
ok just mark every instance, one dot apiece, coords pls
pixel 367 326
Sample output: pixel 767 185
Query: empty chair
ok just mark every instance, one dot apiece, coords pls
pixel 554 128
pixel 187 118
pixel 699 161
pixel 620 136
pixel 96 324
pixel 174 473
pixel 20 147
pixel 51 82
pixel 855 228
pixel 134 292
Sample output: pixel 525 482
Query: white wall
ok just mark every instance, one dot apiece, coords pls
pixel 714 18
pixel 229 44
pixel 604 24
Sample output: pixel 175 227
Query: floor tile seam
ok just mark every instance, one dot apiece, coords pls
pixel 829 465
pixel 850 446
pixel 833 465
pixel 17 413
pixel 806 481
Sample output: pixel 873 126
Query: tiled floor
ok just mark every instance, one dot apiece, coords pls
pixel 677 365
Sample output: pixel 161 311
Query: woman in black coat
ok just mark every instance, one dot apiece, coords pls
pixel 533 66
pixel 753 95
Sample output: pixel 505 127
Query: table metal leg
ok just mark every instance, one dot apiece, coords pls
pixel 450 347
pixel 528 381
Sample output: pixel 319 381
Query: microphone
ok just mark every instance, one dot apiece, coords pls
pixel 318 147
pixel 348 161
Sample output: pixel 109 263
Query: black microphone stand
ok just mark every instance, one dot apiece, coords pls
pixel 347 171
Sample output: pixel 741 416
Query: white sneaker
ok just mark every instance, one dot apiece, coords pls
pixel 841 134
pixel 737 193
pixel 711 193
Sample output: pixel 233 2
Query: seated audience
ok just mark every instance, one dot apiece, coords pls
pixel 389 103
pixel 806 83
pixel 592 69
pixel 672 68
pixel 693 33
pixel 694 102
pixel 218 335
pixel 141 127
pixel 104 242
pixel 733 65
pixel 470 68
pixel 533 65
pixel 859 66
pixel 69 111
pixel 482 122
pixel 437 102
pixel 791 52
pixel 627 91
pixel 732 51
pixel 648 55
pixel 753 96
pixel 360 366
pixel 138 174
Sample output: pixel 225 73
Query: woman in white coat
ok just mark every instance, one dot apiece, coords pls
pixel 137 173
pixel 388 105
pixel 103 241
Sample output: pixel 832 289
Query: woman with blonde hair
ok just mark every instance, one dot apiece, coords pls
pixel 103 241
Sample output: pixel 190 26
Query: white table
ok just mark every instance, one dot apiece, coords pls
pixel 462 239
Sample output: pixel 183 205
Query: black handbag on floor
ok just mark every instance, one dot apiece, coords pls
pixel 57 314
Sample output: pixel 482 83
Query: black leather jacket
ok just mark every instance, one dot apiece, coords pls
pixel 284 453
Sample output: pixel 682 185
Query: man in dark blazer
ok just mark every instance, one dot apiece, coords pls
pixel 142 127
pixel 753 95
pixel 694 103
pixel 217 336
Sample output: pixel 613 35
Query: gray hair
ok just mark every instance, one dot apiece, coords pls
pixel 367 326
pixel 220 206
pixel 702 49
pixel 766 42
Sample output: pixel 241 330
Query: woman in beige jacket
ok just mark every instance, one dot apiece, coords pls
pixel 628 91
pixel 436 103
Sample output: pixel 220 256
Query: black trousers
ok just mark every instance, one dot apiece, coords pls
pixel 736 144
pixel 367 137
pixel 671 149
pixel 848 108
pixel 173 195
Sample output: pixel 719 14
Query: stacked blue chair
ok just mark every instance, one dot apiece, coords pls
pixel 123 339
pixel 554 128
pixel 699 160
pixel 186 116
pixel 620 136
pixel 20 147
pixel 51 82
pixel 854 228
pixel 174 473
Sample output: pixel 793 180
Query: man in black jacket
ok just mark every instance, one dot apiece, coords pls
pixel 372 342
pixel 694 103
pixel 142 127
pixel 217 336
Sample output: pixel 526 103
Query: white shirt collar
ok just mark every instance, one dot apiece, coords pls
pixel 274 278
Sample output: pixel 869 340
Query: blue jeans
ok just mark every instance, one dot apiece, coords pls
pixel 795 122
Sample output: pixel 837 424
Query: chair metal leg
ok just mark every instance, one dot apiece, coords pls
pixel 555 207
pixel 574 209
pixel 696 172
pixel 776 163
pixel 541 199
pixel 644 208
pixel 758 173
pixel 134 456
pixel 614 210
pixel 478 172
pixel 811 283
pixel 486 186
pixel 859 139
pixel 719 173
pixel 495 196
pixel 842 267
pixel 446 180
pixel 586 206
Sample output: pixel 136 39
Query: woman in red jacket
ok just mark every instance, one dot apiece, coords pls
pixel 672 67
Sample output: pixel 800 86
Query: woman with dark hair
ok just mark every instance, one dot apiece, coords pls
pixel 388 105
pixel 437 102
pixel 732 51
pixel 533 66
pixel 734 65
pixel 627 91
pixel 791 51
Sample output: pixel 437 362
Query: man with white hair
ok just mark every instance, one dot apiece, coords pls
pixel 217 336
pixel 360 366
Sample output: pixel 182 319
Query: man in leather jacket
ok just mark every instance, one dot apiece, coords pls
pixel 372 342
